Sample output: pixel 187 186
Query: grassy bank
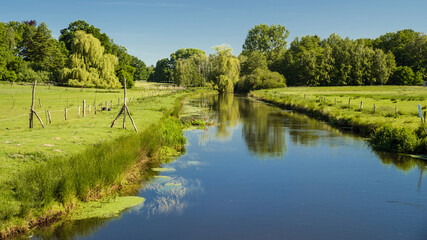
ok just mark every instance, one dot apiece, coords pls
pixel 46 184
pixel 392 125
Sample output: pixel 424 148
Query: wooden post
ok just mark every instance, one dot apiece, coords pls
pixel 95 108
pixel 32 112
pixel 124 110
pixel 79 111
pixel 395 111
pixel 100 105
pixel 335 101
pixel 349 100
pixel 84 108
pixel 90 112
pixel 65 114
pixel 375 107
pixel 124 106
pixel 50 118
pixel 118 101
pixel 106 105
pixel 361 105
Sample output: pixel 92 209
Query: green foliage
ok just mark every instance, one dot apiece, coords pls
pixel 261 79
pixel 162 72
pixel 67 35
pixel 192 71
pixel 404 75
pixel 88 65
pixel 251 61
pixel 268 40
pixel 225 69
pixel 141 71
pixel 392 139
pixel 26 74
pixel 184 54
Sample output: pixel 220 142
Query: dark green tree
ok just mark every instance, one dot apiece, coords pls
pixel 162 72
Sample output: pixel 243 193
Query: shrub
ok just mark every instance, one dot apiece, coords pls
pixel 392 139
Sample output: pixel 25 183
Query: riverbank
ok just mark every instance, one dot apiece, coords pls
pixel 47 189
pixel 386 115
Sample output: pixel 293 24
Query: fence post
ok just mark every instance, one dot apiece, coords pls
pixel 50 118
pixel 375 107
pixel 395 111
pixel 84 108
pixel 79 111
pixel 361 105
pixel 65 114
pixel 335 101
pixel 349 100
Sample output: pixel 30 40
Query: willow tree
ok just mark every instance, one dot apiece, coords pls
pixel 88 65
pixel 225 69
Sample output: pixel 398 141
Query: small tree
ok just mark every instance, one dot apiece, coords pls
pixel 225 69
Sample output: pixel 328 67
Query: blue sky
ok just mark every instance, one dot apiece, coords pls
pixel 152 30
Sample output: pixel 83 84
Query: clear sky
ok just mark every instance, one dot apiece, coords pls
pixel 152 30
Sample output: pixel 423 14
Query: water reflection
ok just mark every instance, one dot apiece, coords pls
pixel 170 193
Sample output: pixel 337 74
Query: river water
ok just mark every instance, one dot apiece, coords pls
pixel 266 173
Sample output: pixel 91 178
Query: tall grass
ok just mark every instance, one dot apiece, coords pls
pixel 91 174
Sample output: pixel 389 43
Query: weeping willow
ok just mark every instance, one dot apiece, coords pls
pixel 226 69
pixel 88 65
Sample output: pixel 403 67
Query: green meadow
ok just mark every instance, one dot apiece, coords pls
pixel 395 115
pixel 44 172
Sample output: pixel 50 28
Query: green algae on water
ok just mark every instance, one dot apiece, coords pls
pixel 163 169
pixel 105 209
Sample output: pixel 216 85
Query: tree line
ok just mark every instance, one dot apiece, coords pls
pixel 83 56
pixel 266 62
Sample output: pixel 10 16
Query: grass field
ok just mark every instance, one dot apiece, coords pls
pixel 45 171
pixel 333 104
pixel 21 146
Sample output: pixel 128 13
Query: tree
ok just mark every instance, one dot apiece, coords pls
pixel 192 71
pixel 88 65
pixel 253 60
pixel 405 76
pixel 225 69
pixel 269 40
pixel 383 66
pixel 141 71
pixel 162 72
pixel 184 54
pixel 67 34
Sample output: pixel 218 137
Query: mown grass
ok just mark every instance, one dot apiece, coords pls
pixel 404 133
pixel 92 160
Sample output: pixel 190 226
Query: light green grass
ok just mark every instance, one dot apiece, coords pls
pixel 21 147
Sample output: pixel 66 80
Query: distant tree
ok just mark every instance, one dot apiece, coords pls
pixel 184 54
pixel 67 34
pixel 383 66
pixel 251 62
pixel 404 75
pixel 191 71
pixel 141 71
pixel 225 69
pixel 162 72
pixel 269 40
pixel 88 65
pixel 39 47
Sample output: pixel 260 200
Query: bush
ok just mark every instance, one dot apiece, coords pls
pixel 392 139
pixel 261 79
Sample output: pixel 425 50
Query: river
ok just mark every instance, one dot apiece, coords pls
pixel 266 173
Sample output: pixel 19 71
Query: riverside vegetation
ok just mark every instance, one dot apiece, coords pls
pixel 86 159
pixel 394 125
